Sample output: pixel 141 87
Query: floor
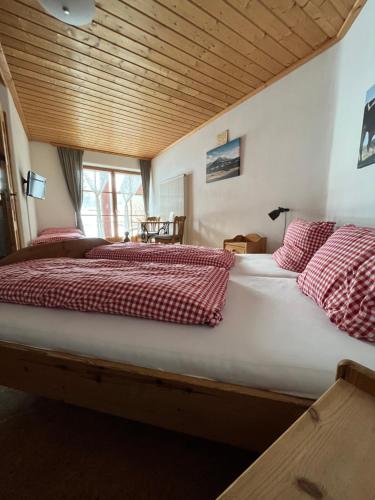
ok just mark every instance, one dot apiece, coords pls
pixel 51 450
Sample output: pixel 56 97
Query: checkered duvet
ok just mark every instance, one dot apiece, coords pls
pixel 167 254
pixel 177 293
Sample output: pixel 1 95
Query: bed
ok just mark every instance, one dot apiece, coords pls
pixel 243 382
pixel 250 347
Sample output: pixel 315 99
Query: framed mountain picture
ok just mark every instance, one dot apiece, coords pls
pixel 223 162
pixel 367 146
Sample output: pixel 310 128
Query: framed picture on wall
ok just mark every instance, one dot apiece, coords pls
pixel 223 162
pixel 367 146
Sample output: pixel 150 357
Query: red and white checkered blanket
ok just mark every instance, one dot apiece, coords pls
pixel 167 254
pixel 176 293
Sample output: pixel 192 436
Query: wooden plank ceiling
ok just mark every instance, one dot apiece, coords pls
pixel 147 72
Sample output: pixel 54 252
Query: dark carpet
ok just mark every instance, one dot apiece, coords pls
pixel 51 451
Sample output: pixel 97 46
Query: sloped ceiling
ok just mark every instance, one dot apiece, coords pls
pixel 147 72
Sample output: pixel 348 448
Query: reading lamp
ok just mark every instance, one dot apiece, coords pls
pixel 275 213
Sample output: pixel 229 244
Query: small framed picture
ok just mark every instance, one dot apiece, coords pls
pixel 367 146
pixel 223 162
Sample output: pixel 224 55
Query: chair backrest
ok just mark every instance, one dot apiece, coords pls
pixel 178 227
pixel 152 223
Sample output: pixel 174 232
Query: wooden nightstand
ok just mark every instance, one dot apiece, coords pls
pixel 328 453
pixel 251 243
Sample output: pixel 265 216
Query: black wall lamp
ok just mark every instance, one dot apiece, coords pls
pixel 275 213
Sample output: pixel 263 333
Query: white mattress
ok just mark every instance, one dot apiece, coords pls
pixel 272 337
pixel 261 264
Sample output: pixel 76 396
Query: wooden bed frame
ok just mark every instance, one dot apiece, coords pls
pixel 228 413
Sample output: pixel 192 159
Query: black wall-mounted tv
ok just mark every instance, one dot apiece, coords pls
pixel 36 185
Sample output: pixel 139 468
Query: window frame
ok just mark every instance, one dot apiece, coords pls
pixel 112 171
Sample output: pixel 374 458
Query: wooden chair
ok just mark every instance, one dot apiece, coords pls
pixel 149 228
pixel 177 235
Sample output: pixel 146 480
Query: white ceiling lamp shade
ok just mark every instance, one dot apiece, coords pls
pixel 75 12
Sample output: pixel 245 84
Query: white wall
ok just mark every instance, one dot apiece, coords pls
pixel 108 160
pixel 56 209
pixel 20 162
pixel 351 191
pixel 286 134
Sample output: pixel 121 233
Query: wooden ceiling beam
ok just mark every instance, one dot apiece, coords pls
pixel 33 115
pixel 17 39
pixel 39 73
pixel 143 21
pixel 61 136
pixel 98 84
pixel 341 7
pixel 55 98
pixel 239 29
pixel 81 71
pixel 60 93
pixel 96 150
pixel 117 58
pixel 49 107
pixel 297 19
pixel 258 14
pixel 99 35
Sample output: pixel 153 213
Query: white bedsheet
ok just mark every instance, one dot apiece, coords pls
pixel 272 337
pixel 261 264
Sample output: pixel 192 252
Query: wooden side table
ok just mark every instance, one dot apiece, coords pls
pixel 251 243
pixel 328 453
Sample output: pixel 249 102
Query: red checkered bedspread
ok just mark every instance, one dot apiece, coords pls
pixel 176 293
pixel 167 254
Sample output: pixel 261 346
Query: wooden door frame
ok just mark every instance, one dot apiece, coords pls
pixel 13 216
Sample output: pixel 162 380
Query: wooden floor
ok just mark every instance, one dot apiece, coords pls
pixel 53 450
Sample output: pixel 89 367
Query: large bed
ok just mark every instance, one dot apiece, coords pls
pixel 273 340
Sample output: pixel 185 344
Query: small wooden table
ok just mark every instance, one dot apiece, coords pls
pixel 328 453
pixel 251 243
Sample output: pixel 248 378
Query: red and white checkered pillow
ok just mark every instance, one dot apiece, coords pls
pixel 59 230
pixel 43 239
pixel 341 279
pixel 301 241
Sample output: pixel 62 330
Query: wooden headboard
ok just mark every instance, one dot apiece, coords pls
pixel 68 248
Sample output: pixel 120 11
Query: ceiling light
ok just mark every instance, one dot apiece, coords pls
pixel 75 12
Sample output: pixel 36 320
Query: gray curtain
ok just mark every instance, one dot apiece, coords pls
pixel 71 163
pixel 145 166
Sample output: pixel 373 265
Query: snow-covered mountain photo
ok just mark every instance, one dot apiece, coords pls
pixel 223 162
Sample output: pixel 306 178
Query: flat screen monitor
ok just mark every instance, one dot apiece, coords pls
pixel 36 185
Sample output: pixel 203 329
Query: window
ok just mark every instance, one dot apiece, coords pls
pixel 112 202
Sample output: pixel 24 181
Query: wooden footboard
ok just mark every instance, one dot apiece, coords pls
pixel 67 248
pixel 233 414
